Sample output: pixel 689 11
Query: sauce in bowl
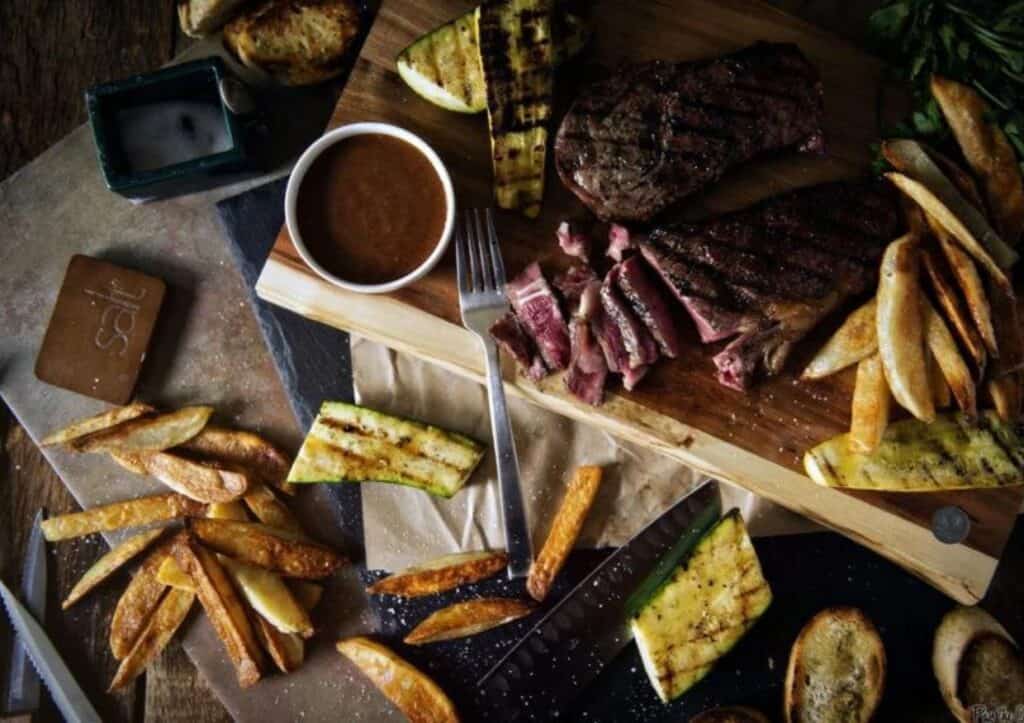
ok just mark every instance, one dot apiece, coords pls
pixel 371 208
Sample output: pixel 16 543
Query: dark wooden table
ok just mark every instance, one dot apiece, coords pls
pixel 49 53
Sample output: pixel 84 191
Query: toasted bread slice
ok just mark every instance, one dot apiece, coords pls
pixel 202 17
pixel 299 42
pixel 836 669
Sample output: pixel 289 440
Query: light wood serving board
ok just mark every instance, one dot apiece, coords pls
pixel 756 439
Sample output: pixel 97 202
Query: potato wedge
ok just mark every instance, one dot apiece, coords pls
pixel 870 412
pixel 987 151
pixel 287 650
pixel 568 522
pixel 202 481
pixel 138 601
pixel 953 223
pixel 131 461
pixel 961 179
pixel 130 513
pixel 307 593
pixel 271 511
pixel 468 618
pixel 412 692
pixel 940 389
pixel 266 547
pixel 267 594
pixel 954 369
pixel 224 608
pixel 171 575
pixel 233 510
pixel 97 423
pixel 1005 393
pixel 973 288
pixel 442 573
pixel 855 340
pixel 109 564
pixel 242 449
pixel 147 434
pixel 163 623
pixel 1006 325
pixel 949 302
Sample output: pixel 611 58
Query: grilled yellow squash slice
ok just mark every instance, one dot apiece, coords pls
pixel 517 60
pixel 349 443
pixel 702 610
pixel 951 453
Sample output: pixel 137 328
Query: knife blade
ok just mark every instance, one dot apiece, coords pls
pixel 23 682
pixel 567 649
pixel 71 701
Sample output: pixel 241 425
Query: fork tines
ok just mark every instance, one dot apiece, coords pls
pixel 478 261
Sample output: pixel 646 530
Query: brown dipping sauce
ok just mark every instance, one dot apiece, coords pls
pixel 371 208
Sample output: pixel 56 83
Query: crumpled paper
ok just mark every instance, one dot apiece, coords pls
pixel 404 526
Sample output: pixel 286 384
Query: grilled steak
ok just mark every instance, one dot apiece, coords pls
pixel 646 297
pixel 638 342
pixel 767 274
pixel 588 369
pixel 510 336
pixel 538 313
pixel 654 133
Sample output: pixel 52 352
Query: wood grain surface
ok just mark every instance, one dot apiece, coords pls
pixel 756 438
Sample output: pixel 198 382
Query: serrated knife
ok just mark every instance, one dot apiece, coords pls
pixel 22 681
pixel 71 701
pixel 542 674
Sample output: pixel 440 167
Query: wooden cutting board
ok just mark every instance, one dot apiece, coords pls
pixel 756 439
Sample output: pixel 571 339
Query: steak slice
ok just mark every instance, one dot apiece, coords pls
pixel 639 345
pixel 573 281
pixel 588 369
pixel 654 133
pixel 769 273
pixel 539 315
pixel 648 302
pixel 509 334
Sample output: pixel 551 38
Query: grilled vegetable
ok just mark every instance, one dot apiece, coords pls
pixel 703 609
pixel 137 602
pixel 468 618
pixel 202 481
pixel 147 434
pixel 566 527
pixel 870 411
pixel 97 423
pixel 242 450
pixel 109 564
pixel 951 453
pixel 517 62
pixel 268 547
pixel 267 594
pixel 130 513
pixel 412 692
pixel 945 352
pixel 348 443
pixel 855 340
pixel 164 622
pixel 443 573
pixel 443 66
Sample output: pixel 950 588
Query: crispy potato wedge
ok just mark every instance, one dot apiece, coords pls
pixel 242 449
pixel 224 608
pixel 271 511
pixel 131 461
pixel 855 340
pixel 130 513
pixel 568 522
pixel 987 151
pixel 1005 393
pixel 233 510
pixel 1006 325
pixel 973 288
pixel 949 302
pixel 97 423
pixel 952 222
pixel 900 331
pixel 940 389
pixel 267 547
pixel 412 692
pixel 267 594
pixel 171 575
pixel 307 593
pixel 163 623
pixel 287 650
pixel 109 564
pixel 138 601
pixel 870 412
pixel 960 178
pixel 202 481
pixel 442 573
pixel 147 434
pixel 468 618
pixel 954 369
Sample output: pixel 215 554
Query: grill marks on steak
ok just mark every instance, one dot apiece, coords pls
pixel 639 345
pixel 648 302
pixel 654 133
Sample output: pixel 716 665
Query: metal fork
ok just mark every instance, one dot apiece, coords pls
pixel 482 299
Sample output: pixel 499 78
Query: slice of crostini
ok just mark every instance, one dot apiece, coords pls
pixel 836 669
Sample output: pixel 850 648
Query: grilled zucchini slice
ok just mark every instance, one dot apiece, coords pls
pixel 443 66
pixel 517 61
pixel 349 443
pixel 951 453
pixel 702 610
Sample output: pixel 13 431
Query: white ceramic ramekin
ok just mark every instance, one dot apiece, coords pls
pixel 313 152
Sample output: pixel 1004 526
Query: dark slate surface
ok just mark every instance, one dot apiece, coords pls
pixel 807 572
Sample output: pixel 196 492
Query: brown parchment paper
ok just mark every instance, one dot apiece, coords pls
pixel 404 526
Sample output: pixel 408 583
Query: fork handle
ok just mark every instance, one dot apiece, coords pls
pixel 517 532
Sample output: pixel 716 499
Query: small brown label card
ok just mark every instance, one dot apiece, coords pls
pixel 100 329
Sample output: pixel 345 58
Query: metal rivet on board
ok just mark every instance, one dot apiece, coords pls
pixel 950 524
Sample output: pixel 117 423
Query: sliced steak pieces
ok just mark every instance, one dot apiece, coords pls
pixel 639 345
pixel 511 337
pixel 646 298
pixel 587 370
pixel 654 133
pixel 572 282
pixel 539 315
